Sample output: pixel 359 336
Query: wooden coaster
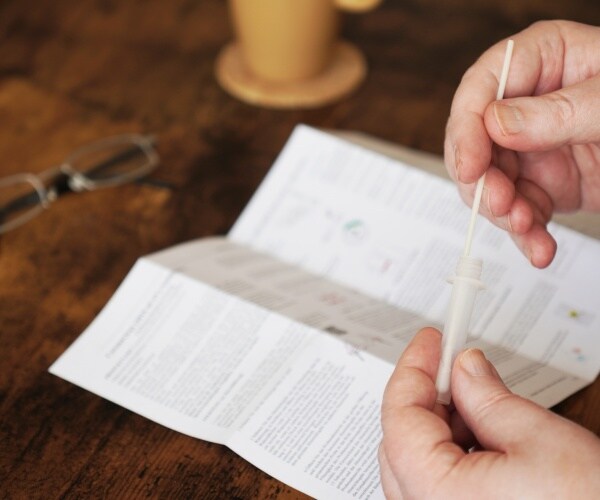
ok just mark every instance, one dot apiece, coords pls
pixel 343 75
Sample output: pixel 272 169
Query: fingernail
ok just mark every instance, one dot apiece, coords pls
pixel 488 202
pixel 509 118
pixel 457 162
pixel 474 363
pixel 510 228
pixel 528 253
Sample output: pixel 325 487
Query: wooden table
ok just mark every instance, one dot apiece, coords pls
pixel 72 71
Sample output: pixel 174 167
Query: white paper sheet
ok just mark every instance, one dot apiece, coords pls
pixel 395 232
pixel 279 341
pixel 206 363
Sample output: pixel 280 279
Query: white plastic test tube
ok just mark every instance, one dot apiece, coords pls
pixel 466 284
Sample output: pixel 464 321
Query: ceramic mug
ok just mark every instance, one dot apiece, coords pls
pixel 289 40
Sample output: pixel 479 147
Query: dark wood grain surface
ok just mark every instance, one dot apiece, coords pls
pixel 72 71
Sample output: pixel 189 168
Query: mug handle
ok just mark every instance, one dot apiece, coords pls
pixel 357 5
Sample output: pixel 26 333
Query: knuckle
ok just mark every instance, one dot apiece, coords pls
pixel 490 406
pixel 548 26
pixel 563 108
pixel 541 25
pixel 471 72
pixel 467 193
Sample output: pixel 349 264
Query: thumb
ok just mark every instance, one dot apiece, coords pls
pixel 499 419
pixel 540 123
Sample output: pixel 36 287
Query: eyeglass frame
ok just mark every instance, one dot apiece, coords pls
pixel 76 180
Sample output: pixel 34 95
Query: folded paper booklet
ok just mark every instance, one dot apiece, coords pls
pixel 278 339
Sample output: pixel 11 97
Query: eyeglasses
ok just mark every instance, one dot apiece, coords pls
pixel 105 163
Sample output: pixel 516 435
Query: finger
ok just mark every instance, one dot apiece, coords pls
pixel 542 123
pixel 538 198
pixel 466 159
pixel 558 174
pixel 499 192
pixel 538 217
pixel 468 144
pixel 413 382
pixel 537 244
pixel 507 161
pixel 520 216
pixel 420 359
pixel 391 488
pixel 422 354
pixel 501 205
pixel 500 420
pixel 416 441
pixel 461 434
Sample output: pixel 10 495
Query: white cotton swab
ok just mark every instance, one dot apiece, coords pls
pixel 466 282
pixel 481 181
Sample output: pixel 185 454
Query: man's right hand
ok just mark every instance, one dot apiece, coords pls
pixel 541 145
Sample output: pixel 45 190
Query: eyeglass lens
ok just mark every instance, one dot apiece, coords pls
pixel 109 160
pixel 19 201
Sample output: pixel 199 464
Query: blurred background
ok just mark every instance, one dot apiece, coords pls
pixel 74 71
pixel 149 66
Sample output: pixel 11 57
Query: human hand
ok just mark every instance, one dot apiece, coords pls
pixel 523 450
pixel 542 152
